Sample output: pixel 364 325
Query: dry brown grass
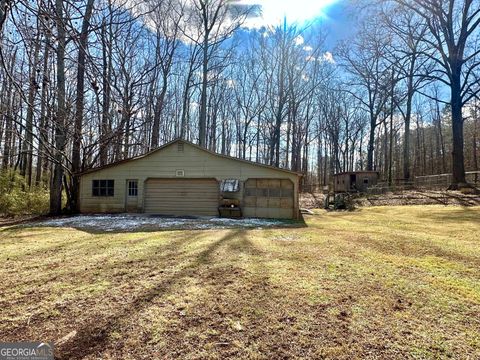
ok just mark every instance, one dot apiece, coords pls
pixel 379 283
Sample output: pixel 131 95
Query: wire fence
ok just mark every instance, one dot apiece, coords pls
pixel 383 187
pixel 443 181
pixel 426 182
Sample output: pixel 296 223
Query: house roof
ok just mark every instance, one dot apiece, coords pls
pixel 357 172
pixel 189 143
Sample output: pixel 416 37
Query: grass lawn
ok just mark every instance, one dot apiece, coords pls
pixel 378 283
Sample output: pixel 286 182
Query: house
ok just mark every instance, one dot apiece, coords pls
pixel 184 179
pixel 354 181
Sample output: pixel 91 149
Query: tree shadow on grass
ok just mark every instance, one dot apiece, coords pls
pixel 457 215
pixel 239 310
pixel 159 254
pixel 94 335
pixel 18 220
pixel 464 200
pixel 234 307
pixel 407 248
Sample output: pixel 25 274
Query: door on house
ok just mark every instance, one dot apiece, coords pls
pixel 131 198
pixel 353 181
pixel 269 198
pixel 181 197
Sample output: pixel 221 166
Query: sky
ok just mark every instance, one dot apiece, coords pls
pixel 274 11
pixel 332 14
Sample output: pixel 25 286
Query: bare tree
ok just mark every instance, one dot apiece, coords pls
pixel 365 60
pixel 79 105
pixel 214 22
pixel 61 113
pixel 167 19
pixel 453 34
pixel 407 54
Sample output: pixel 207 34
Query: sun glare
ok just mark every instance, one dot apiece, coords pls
pixel 273 12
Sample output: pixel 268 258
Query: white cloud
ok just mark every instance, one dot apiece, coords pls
pixel 299 40
pixel 328 57
pixel 270 13
pixel 273 12
pixel 308 48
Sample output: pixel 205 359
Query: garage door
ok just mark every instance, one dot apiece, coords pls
pixel 181 197
pixel 269 198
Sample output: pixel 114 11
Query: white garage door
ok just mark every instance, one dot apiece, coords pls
pixel 181 197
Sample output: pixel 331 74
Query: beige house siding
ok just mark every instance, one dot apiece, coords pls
pixel 164 163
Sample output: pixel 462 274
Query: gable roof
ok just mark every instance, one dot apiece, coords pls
pixel 191 144
pixel 357 172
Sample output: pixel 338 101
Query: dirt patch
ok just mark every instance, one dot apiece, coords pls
pixel 17 220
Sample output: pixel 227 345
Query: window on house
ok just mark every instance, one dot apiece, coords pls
pixel 103 187
pixel 229 185
pixel 132 187
pixel 365 181
pixel 180 147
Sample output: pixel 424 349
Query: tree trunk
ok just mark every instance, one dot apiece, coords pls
pixel 7 147
pixel 475 138
pixel 42 132
pixel 360 150
pixel 371 146
pixel 3 13
pixel 56 184
pixel 202 131
pixel 27 149
pixel 390 151
pixel 107 64
pixel 157 114
pixel 78 127
pixel 458 165
pixel 185 105
pixel 406 138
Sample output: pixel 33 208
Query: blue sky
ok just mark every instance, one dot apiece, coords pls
pixel 338 23
pixel 332 14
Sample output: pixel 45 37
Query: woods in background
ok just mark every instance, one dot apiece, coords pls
pixel 86 83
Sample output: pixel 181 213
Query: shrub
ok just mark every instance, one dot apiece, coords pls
pixel 344 201
pixel 17 199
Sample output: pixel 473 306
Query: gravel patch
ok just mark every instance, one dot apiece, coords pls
pixel 131 222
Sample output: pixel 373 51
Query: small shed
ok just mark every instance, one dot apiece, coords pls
pixel 354 181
